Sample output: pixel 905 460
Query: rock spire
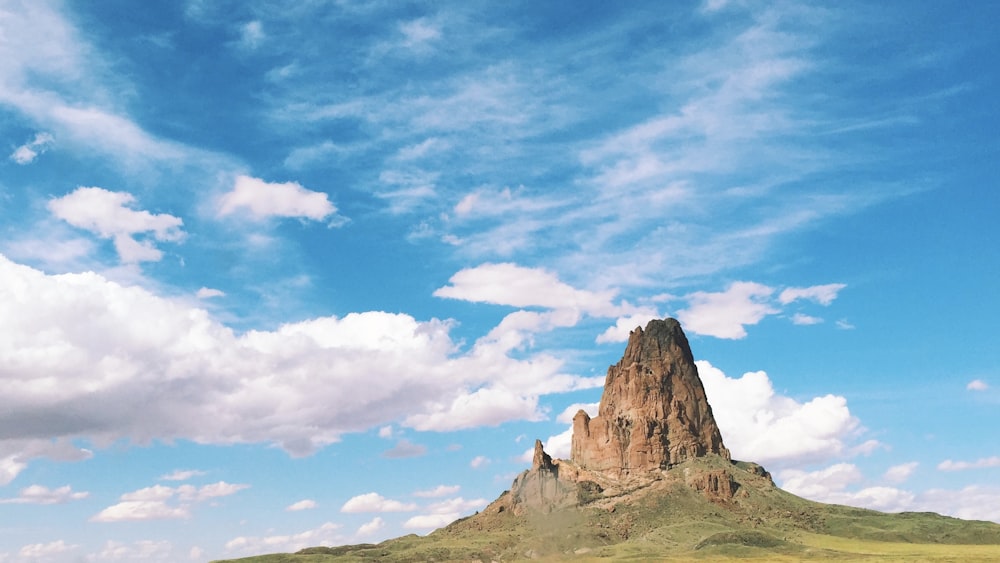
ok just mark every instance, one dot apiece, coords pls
pixel 653 412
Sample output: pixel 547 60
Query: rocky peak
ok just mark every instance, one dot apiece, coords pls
pixel 653 413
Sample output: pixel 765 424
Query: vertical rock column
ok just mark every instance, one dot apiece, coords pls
pixel 653 412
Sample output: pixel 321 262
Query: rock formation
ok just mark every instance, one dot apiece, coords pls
pixel 653 415
pixel 653 412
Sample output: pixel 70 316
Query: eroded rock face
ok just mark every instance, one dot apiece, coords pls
pixel 653 412
pixel 540 488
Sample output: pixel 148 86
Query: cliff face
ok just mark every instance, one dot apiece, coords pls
pixel 653 412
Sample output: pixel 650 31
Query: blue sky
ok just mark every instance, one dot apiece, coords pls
pixel 319 273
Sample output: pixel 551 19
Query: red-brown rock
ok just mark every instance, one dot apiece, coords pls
pixel 653 412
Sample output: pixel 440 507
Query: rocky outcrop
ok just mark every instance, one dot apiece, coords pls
pixel 653 413
pixel 540 488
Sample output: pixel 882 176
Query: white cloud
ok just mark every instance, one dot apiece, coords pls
pixel 10 467
pixel 479 461
pixel 758 424
pixel 625 325
pixel 439 491
pixel 816 484
pixel 262 199
pixel 160 502
pixel 208 293
pixel 822 294
pixel 26 153
pixel 38 494
pixel 832 484
pixel 429 521
pixel 483 407
pixel 949 465
pixel 181 366
pixel 305 504
pixel 803 319
pixel 110 215
pixel 443 513
pixel 977 385
pixel 405 448
pixel 371 527
pixel 374 502
pixel 141 550
pixel 46 550
pixel 326 535
pixel 385 432
pixel 137 510
pixel 181 475
pixel 725 314
pixel 566 416
pixel 899 473
pixel 517 286
pixel 557 446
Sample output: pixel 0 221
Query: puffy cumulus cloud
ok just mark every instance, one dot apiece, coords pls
pixel 305 504
pixel 439 491
pixel 725 314
pixel 128 364
pixel 818 483
pixel 833 485
pixel 899 473
pixel 38 494
pixel 374 502
pixel 110 215
pixel 517 286
pixel 371 527
pixel 443 513
pixel 761 425
pixel 326 535
pixel 46 551
pixel 160 502
pixel 26 153
pixel 974 502
pixel 141 550
pixel 624 326
pixel 949 465
pixel 977 385
pixel 830 485
pixel 262 199
pixel 479 461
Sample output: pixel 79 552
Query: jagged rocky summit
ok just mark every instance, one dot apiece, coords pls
pixel 653 415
